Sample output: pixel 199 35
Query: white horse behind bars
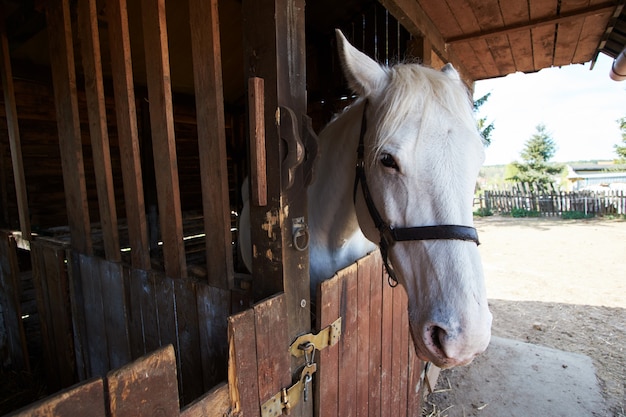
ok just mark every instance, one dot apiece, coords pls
pixel 412 137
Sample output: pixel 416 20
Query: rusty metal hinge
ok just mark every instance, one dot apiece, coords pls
pixel 305 345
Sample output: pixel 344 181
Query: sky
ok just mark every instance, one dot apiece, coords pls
pixel 579 108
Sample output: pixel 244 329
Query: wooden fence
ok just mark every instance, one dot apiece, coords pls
pixel 372 370
pixel 556 203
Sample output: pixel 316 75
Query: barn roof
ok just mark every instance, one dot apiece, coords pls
pixel 483 38
pixel 493 38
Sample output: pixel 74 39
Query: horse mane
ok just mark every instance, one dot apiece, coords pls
pixel 412 86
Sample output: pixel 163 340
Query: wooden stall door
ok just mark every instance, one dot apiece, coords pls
pixel 373 369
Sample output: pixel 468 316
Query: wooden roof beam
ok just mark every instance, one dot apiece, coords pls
pixel 565 17
pixel 411 15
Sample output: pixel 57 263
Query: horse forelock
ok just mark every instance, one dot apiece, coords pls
pixel 415 91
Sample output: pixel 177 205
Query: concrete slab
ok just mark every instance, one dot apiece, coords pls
pixel 519 379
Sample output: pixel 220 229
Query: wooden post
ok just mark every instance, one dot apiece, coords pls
pixel 207 66
pixel 66 103
pixel 163 140
pixel 94 90
pixel 14 133
pixel 274 49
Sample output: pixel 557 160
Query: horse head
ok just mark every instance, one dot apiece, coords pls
pixel 421 153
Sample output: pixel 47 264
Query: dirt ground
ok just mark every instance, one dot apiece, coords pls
pixel 560 284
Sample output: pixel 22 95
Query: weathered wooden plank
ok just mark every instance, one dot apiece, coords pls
pixel 150 310
pixel 134 281
pixel 10 291
pixel 215 403
pixel 348 344
pixel 207 66
pixel 94 91
pixel 414 385
pixel 114 306
pixel 86 399
pixel 97 347
pixel 146 386
pixel 128 137
pixel 45 318
pixel 242 364
pixel 543 37
pixel 14 133
pixel 256 121
pixel 66 102
pixel 364 276
pixel 77 302
pixel 163 138
pixel 397 361
pixel 272 344
pixel 60 310
pixel 188 336
pixel 375 333
pixel 326 389
pixel 213 306
pixel 386 350
pixel 401 325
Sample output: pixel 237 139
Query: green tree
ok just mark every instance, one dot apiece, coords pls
pixel 535 170
pixel 620 149
pixel 484 128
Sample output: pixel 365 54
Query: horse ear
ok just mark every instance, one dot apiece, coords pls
pixel 363 73
pixel 451 72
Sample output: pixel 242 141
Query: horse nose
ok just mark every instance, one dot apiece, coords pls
pixel 448 347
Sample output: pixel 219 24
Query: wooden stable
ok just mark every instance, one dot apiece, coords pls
pixel 129 127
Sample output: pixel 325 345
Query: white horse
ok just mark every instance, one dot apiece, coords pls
pixel 417 164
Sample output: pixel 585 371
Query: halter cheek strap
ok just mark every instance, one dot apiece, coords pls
pixel 390 235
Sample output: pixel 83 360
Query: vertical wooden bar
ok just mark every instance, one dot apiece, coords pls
pixel 348 344
pixel 145 387
pixel 128 137
pixel 66 103
pixel 375 335
pixel 163 140
pixel 14 132
pixel 386 350
pixel 258 162
pixel 327 378
pixel 274 49
pixel 207 69
pixel 94 90
pixel 364 277
pixel 10 304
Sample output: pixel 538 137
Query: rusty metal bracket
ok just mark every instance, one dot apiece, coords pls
pixel 287 398
pixel 326 337
pixel 283 401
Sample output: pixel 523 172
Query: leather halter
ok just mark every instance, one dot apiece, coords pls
pixel 389 235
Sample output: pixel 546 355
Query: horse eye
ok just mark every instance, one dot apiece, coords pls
pixel 388 161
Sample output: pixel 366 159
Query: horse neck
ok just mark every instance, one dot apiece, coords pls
pixel 331 209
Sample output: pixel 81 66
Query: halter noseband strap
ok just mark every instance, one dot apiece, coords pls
pixel 388 234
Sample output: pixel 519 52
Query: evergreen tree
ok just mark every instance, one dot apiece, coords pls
pixel 535 171
pixel 484 128
pixel 621 149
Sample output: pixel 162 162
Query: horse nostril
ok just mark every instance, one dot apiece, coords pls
pixel 437 336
